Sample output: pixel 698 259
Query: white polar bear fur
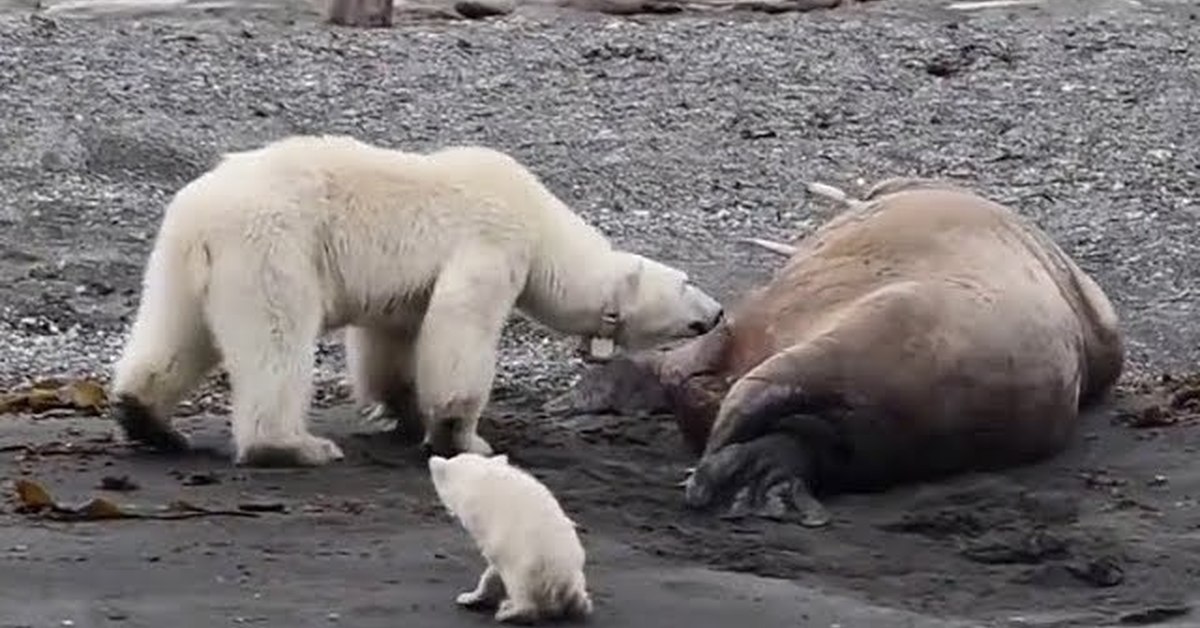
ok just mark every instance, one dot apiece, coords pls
pixel 422 256
pixel 535 559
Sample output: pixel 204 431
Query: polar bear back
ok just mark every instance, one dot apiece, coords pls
pixel 375 224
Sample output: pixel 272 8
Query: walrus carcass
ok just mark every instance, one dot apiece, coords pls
pixel 921 332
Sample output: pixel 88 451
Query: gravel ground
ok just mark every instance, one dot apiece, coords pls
pixel 675 135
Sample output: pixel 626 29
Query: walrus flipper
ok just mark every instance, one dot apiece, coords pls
pixel 765 477
pixel 767 443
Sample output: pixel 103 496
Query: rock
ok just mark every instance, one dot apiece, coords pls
pixel 624 7
pixel 360 13
pixel 479 9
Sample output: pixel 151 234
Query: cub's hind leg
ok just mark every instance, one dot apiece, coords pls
pixel 519 606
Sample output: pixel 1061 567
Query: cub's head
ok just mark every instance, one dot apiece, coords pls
pixel 454 478
pixel 657 303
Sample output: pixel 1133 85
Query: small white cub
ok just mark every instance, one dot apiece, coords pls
pixel 535 559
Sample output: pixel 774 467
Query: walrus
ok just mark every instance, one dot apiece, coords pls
pixel 922 331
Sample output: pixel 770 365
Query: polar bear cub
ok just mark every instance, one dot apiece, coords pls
pixel 421 257
pixel 535 560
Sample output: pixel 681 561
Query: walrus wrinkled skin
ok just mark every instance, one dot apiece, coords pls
pixel 923 331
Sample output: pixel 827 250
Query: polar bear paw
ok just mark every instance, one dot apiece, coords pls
pixel 143 427
pixel 472 444
pixel 303 451
pixel 376 416
pixel 479 446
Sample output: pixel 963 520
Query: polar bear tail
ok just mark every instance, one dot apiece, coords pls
pixel 169 346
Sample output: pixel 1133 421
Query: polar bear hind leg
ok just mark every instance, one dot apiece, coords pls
pixel 382 376
pixel 457 346
pixel 265 313
pixel 574 600
pixel 168 351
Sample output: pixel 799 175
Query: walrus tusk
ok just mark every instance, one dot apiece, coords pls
pixel 836 195
pixel 829 192
pixel 770 245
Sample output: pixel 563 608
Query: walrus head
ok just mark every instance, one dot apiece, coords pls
pixel 684 377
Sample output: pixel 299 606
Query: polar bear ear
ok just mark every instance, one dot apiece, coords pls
pixel 500 459
pixel 631 281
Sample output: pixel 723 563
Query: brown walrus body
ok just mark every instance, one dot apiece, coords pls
pixel 923 331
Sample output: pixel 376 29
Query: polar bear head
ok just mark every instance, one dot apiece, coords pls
pixel 455 477
pixel 656 303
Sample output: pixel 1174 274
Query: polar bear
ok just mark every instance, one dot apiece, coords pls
pixel 535 560
pixel 423 255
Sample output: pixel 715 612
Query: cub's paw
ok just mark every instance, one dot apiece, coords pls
pixel 472 599
pixel 512 613
pixel 303 451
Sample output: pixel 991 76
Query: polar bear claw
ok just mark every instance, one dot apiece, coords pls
pixel 302 451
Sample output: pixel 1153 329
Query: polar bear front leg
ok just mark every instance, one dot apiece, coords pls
pixel 519 607
pixel 457 348
pixel 266 320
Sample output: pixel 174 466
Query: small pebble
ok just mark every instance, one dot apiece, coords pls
pixel 262 507
pixel 118 483
pixel 201 479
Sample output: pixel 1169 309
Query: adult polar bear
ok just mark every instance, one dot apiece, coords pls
pixel 424 256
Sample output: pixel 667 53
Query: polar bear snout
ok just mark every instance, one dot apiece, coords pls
pixel 665 307
pixel 706 311
pixel 702 327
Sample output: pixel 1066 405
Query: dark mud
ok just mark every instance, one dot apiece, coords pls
pixel 1107 531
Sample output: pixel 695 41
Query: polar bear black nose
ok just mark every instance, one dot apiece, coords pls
pixel 702 327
